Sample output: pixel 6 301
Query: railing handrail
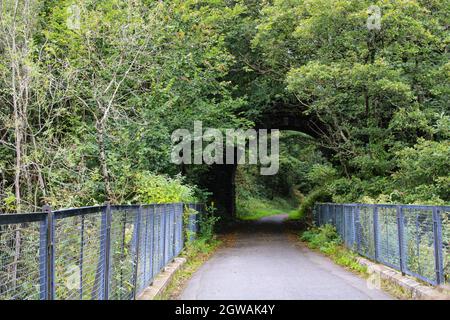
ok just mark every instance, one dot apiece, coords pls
pixel 413 206
pixel 24 215
pixel 148 236
pixel 399 238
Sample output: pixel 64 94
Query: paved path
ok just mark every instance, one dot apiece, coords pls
pixel 263 263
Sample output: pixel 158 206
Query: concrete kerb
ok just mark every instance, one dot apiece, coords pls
pixel 162 280
pixel 417 290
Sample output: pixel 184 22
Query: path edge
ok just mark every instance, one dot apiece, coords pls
pixel 162 280
pixel 414 288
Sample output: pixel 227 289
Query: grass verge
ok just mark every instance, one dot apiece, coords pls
pixel 326 240
pixel 254 209
pixel 196 253
pixel 295 214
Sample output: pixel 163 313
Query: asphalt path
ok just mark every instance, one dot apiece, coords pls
pixel 265 263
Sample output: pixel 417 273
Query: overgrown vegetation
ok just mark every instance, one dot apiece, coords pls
pixel 259 196
pixel 152 188
pixel 89 104
pixel 326 240
pixel 256 208
pixel 378 98
pixel 90 92
pixel 204 239
pixel 381 96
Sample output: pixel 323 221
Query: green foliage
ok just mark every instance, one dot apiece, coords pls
pixel 323 238
pixel 259 196
pixel 207 222
pixel 91 109
pixel 205 240
pixel 326 239
pixel 306 206
pixel 423 174
pixel 152 188
pixel 379 96
pixel 321 174
pixel 256 208
pixel 421 177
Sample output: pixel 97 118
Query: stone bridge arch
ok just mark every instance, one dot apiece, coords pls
pixel 221 178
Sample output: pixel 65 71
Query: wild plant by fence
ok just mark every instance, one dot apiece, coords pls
pixel 410 238
pixel 100 253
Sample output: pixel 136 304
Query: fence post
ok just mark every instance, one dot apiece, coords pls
pixel 182 226
pixel 357 231
pixel 164 234
pixel 155 241
pixel 320 214
pixel 172 231
pixel 376 234
pixel 437 230
pixel 107 246
pixel 81 257
pixel 344 223
pixel 175 227
pixel 335 217
pixel 316 215
pixel 50 255
pixel 43 259
pixel 400 226
pixel 136 257
pixel 160 238
pixel 353 226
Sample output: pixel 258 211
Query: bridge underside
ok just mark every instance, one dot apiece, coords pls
pixel 221 178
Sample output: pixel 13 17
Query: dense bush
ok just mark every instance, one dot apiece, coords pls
pixel 322 238
pixel 205 239
pixel 326 239
pixel 306 206
pixel 380 97
pixel 421 177
pixel 98 113
pixel 152 188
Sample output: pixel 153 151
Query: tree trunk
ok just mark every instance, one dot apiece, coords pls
pixel 102 158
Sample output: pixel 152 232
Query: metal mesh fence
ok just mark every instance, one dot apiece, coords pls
pixel 92 253
pixel 365 231
pixel 445 214
pixel 144 266
pixel 412 239
pixel 418 243
pixel 194 209
pixel 78 254
pixel 22 257
pixel 389 252
pixel 123 252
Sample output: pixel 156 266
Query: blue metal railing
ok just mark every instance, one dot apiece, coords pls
pixel 96 253
pixel 413 239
